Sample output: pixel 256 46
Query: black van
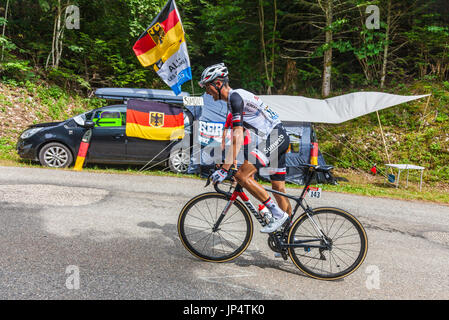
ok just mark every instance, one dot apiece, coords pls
pixel 56 144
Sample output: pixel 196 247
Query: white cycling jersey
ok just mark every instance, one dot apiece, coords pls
pixel 250 112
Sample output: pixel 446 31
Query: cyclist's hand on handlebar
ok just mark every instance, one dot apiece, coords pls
pixel 219 175
pixel 228 174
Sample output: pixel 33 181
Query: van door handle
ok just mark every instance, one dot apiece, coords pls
pixel 118 136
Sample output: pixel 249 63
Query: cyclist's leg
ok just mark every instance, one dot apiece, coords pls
pixel 283 202
pixel 245 173
pixel 278 184
pixel 279 172
pixel 245 177
pixel 255 158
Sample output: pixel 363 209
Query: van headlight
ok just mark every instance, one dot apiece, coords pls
pixel 28 133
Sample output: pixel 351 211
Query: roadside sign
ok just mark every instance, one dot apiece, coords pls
pixel 193 101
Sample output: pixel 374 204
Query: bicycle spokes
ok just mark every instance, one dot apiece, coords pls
pixel 209 233
pixel 336 252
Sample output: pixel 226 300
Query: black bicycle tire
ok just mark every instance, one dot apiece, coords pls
pixel 357 263
pixel 190 248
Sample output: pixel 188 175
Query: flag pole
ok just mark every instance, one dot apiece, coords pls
pixel 193 90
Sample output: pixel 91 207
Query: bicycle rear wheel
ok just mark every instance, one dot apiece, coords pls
pixel 346 236
pixel 196 228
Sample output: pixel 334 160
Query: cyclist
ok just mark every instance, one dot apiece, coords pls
pixel 277 179
pixel 249 112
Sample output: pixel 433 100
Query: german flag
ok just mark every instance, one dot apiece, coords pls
pixel 154 120
pixel 165 30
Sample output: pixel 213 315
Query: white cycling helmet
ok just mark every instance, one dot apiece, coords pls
pixel 217 71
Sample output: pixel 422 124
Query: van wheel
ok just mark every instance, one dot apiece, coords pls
pixel 55 155
pixel 179 161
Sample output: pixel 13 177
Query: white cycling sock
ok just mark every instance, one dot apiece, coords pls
pixel 274 208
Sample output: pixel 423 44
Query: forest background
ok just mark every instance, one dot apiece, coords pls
pixel 51 64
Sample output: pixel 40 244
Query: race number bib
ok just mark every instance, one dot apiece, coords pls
pixel 314 192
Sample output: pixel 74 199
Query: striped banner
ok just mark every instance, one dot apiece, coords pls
pixel 176 68
pixel 154 120
pixel 313 147
pixel 314 153
pixel 82 151
pixel 165 30
pixel 163 46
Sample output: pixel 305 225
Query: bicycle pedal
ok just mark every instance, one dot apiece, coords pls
pixel 284 255
pixel 278 255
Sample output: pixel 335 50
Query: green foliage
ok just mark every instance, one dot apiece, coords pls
pixel 66 77
pixel 141 13
pixel 12 68
pixel 100 54
pixel 232 43
pixel 430 43
pixel 6 145
pixel 373 45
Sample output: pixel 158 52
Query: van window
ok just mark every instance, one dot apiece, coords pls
pixel 295 143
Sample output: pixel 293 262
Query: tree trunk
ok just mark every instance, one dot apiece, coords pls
pixel 274 42
pixel 4 26
pixel 387 38
pixel 289 76
pixel 52 52
pixel 58 34
pixel 327 68
pixel 262 41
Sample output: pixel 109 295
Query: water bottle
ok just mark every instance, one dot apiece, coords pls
pixel 265 213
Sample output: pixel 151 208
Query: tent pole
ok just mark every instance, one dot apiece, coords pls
pixel 383 138
pixel 424 114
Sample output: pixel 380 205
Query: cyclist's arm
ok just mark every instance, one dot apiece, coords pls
pixel 236 104
pixel 225 130
pixel 223 138
pixel 237 142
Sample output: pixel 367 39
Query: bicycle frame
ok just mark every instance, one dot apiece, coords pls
pixel 239 193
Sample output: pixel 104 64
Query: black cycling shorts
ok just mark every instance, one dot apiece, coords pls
pixel 270 152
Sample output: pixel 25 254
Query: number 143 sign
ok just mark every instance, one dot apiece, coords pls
pixel 314 192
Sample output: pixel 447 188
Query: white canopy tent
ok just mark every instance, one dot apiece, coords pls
pixel 333 110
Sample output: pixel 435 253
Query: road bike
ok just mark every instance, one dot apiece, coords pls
pixel 325 243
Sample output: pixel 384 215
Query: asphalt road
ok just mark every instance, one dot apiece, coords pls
pixel 79 235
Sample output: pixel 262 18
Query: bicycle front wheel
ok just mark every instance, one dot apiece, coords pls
pixel 200 236
pixel 336 255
